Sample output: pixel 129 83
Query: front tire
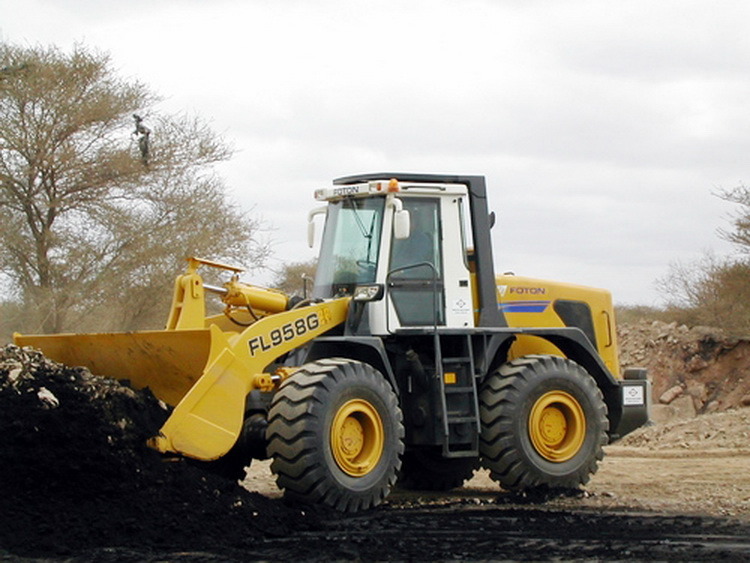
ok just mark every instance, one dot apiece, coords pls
pixel 544 424
pixel 336 435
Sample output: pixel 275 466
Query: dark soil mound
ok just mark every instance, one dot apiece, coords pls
pixel 76 474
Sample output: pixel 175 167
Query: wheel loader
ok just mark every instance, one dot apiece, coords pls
pixel 410 362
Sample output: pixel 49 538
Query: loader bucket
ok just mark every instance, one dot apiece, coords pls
pixel 167 362
pixel 204 373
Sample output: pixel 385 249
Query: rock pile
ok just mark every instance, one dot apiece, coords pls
pixel 693 370
pixel 76 474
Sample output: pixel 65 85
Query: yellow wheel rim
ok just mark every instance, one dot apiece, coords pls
pixel 357 438
pixel 557 426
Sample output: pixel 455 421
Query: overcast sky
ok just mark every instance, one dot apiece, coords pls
pixel 602 127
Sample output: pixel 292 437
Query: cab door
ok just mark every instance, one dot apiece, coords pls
pixel 427 284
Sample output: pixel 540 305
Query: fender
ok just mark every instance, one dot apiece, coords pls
pixel 369 349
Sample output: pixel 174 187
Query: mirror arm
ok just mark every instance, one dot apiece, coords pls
pixel 311 224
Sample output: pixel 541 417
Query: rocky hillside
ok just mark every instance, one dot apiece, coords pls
pixel 693 370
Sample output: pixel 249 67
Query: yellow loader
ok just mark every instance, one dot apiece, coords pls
pixel 411 361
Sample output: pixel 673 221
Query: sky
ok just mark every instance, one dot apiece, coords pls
pixel 604 128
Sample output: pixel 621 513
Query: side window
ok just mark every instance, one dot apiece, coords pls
pixel 423 243
pixel 467 245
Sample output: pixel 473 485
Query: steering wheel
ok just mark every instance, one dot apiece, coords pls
pixel 366 266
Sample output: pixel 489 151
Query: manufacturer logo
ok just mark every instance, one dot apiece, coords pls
pixel 349 190
pixel 461 307
pixel 527 291
pixel 520 290
pixel 632 395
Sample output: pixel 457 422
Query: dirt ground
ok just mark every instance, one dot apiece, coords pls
pixel 676 491
pixel 699 466
pixel 707 482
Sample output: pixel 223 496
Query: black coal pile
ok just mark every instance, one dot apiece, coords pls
pixel 76 474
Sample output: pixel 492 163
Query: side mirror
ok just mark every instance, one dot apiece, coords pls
pixel 310 233
pixel 401 224
pixel 311 224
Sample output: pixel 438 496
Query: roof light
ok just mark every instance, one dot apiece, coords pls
pixel 393 186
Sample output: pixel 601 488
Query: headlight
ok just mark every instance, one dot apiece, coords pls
pixel 372 292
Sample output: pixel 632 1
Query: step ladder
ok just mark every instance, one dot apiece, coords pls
pixel 458 401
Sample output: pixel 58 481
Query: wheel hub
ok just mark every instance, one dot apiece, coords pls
pixel 357 438
pixel 352 437
pixel 557 426
pixel 553 426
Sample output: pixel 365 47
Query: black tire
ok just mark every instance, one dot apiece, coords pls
pixel 249 446
pixel 544 424
pixel 336 435
pixel 428 470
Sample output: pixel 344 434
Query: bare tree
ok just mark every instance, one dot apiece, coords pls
pixel 713 291
pixel 91 223
pixel 741 219
pixel 294 277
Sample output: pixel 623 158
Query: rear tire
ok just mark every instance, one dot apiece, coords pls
pixel 335 434
pixel 428 470
pixel 544 424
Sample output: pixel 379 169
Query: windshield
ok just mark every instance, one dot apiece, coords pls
pixel 350 247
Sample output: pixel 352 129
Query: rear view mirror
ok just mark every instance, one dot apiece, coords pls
pixel 310 234
pixel 401 224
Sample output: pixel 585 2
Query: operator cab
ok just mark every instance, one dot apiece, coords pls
pixel 401 248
